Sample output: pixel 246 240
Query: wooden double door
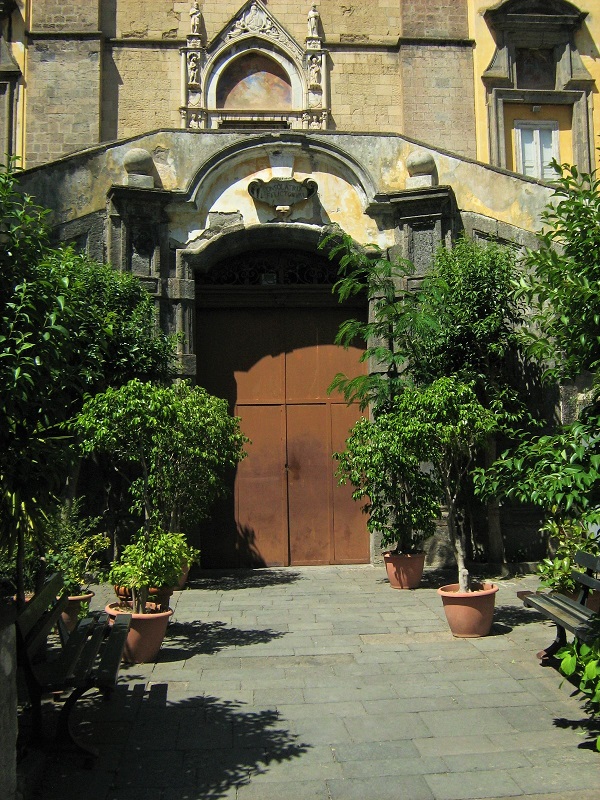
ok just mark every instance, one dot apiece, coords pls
pixel 274 366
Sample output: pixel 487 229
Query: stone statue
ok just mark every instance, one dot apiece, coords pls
pixel 313 22
pixel 193 68
pixel 195 17
pixel 194 121
pixel 315 71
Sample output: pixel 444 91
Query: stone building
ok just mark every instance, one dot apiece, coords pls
pixel 205 147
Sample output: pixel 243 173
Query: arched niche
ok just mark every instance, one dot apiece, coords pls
pixel 254 80
pixel 272 80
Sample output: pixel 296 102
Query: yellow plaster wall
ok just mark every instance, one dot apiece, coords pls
pixel 588 45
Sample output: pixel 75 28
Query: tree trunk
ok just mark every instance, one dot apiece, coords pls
pixel 496 554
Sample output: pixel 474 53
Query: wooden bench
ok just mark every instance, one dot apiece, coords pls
pixel 567 614
pixel 88 658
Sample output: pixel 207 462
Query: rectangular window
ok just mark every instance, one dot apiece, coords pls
pixel 536 144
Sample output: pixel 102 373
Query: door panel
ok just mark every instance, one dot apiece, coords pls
pixel 309 457
pixel 260 485
pixel 348 518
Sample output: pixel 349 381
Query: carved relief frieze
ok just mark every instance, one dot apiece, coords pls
pixel 254 19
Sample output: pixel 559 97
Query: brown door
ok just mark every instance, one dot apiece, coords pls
pixel 274 366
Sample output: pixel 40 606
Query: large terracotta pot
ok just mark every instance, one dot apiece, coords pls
pixel 71 613
pixel 404 570
pixel 469 614
pixel 145 635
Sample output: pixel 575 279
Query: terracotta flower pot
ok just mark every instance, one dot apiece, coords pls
pixel 469 614
pixel 185 571
pixel 145 635
pixel 404 570
pixel 159 597
pixel 71 613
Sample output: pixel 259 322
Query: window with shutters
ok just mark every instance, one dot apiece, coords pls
pixel 536 146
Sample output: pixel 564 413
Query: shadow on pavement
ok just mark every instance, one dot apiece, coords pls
pixel 228 580
pixel 153 745
pixel 185 639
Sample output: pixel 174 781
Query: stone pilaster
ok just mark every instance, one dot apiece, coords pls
pixel 138 242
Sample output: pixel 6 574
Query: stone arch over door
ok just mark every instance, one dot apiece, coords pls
pixel 265 324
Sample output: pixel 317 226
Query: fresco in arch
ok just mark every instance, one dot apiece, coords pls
pixel 254 81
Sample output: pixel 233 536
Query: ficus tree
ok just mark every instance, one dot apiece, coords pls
pixel 173 445
pixel 443 425
pixel 460 322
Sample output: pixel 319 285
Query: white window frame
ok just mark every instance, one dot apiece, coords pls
pixel 535 126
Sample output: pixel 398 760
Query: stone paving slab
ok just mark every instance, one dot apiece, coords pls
pixel 324 684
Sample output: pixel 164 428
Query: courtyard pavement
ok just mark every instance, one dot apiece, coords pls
pixel 323 683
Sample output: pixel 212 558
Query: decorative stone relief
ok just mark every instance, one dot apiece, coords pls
pixel 204 70
pixel 256 20
pixel 193 63
pixel 313 40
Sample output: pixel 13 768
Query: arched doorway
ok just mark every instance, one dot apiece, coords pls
pixel 265 328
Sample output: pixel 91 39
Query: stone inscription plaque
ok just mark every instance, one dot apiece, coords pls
pixel 282 191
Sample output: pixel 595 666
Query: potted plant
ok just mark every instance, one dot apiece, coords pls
pixel 443 425
pixel 401 500
pixel 73 550
pixel 152 559
pixel 173 445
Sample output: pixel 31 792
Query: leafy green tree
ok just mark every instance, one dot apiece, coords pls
pixel 559 470
pixel 180 440
pixel 444 426
pixel 560 281
pixel 68 326
pixel 461 322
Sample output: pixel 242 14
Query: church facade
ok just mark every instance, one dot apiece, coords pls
pixel 205 148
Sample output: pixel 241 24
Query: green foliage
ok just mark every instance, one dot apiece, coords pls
pixel 561 279
pixel 569 538
pixel 181 440
pixel 459 325
pixel 74 547
pixel 460 322
pixel 390 331
pixel 443 425
pixel 583 660
pixel 560 471
pixel 67 326
pixel 401 500
pixel 470 295
pixel 153 559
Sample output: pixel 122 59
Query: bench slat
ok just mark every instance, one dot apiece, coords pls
pixel 586 580
pixel 588 561
pixel 39 603
pixel 112 652
pixel 89 653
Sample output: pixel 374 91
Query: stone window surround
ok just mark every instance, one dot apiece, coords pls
pixel 515 30
pixel 582 130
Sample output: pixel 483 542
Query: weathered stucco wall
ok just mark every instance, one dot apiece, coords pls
pixel 77 186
